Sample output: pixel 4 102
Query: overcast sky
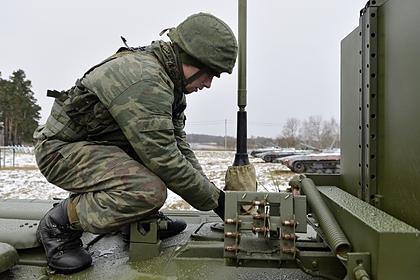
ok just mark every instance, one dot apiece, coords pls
pixel 293 52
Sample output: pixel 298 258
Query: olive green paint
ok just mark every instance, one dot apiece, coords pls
pixel 394 245
pixel 8 256
pixel 350 94
pixel 379 113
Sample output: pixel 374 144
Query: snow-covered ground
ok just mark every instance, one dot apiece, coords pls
pixel 25 181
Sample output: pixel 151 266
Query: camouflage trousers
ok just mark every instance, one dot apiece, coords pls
pixel 109 187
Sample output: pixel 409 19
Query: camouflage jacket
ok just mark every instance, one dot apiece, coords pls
pixel 134 100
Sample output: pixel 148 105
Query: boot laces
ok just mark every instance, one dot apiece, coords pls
pixel 162 216
pixel 69 238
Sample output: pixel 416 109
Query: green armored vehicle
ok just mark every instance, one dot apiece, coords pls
pixel 361 224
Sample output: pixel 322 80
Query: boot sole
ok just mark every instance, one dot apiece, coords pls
pixel 66 270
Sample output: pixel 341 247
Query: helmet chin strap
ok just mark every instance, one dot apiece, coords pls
pixel 195 76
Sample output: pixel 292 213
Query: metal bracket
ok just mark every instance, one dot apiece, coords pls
pixel 144 239
pixel 368 103
pixel 261 227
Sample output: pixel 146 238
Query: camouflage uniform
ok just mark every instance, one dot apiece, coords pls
pixel 116 141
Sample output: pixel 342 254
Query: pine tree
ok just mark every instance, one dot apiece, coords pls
pixel 18 109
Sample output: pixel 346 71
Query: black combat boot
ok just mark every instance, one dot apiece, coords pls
pixel 173 227
pixel 62 244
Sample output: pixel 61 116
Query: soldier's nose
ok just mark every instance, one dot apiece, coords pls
pixel 207 82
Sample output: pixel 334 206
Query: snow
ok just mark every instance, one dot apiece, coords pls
pixel 26 182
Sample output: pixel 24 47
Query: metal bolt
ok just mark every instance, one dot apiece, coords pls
pixel 232 221
pixel 360 273
pixel 289 223
pixel 260 229
pixel 232 234
pixel 314 265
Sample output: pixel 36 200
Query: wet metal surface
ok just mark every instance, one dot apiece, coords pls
pixel 111 260
pixel 375 218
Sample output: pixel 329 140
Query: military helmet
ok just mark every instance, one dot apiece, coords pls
pixel 207 39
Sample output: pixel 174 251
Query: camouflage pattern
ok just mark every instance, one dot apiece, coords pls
pixel 107 190
pixel 117 140
pixel 207 39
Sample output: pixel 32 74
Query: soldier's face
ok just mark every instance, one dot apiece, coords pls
pixel 204 81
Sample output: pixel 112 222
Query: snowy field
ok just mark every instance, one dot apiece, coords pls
pixel 25 180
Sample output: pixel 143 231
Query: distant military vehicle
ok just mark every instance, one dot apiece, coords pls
pixel 313 163
pixel 273 156
pixel 360 224
pixel 259 152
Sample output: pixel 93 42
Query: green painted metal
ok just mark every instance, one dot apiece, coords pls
pixel 394 246
pixel 350 132
pixel 321 264
pixel 19 221
pixel 399 166
pixel 300 210
pixel 368 103
pixel 334 236
pixel 380 164
pixel 242 26
pixel 386 113
pixel 181 257
pixel 8 257
pixel 19 233
pixel 241 156
pixel 24 209
pixel 325 180
pixel 259 228
pixel 144 241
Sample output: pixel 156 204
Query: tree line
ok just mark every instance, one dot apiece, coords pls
pixel 19 113
pixel 312 133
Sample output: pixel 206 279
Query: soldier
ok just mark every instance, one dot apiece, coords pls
pixel 116 141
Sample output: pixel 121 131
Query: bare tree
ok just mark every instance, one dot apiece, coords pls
pixel 330 134
pixel 289 137
pixel 310 131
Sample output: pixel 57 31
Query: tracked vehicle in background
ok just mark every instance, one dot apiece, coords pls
pixel 259 152
pixel 361 224
pixel 313 163
pixel 277 155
